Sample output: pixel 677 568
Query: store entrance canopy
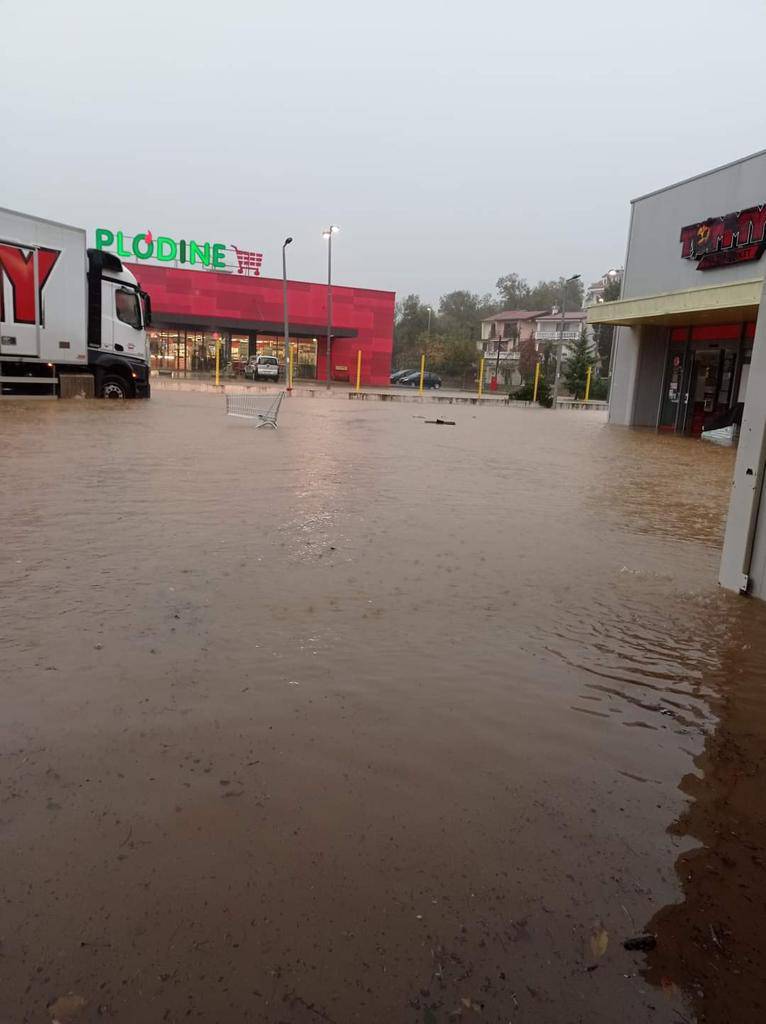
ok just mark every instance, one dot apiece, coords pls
pixel 728 303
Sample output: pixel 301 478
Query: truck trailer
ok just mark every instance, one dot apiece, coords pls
pixel 66 309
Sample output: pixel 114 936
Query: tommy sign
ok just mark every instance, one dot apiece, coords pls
pixel 145 246
pixel 720 241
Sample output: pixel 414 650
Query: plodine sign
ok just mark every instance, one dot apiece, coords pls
pixel 144 246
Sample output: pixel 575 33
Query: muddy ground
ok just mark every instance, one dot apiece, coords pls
pixel 373 720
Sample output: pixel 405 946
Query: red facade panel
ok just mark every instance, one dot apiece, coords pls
pixel 229 299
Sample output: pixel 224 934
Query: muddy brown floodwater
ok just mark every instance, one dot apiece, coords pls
pixel 371 720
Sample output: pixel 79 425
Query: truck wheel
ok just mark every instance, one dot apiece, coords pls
pixel 115 387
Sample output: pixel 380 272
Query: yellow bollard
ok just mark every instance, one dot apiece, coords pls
pixel 481 377
pixel 217 362
pixel 587 383
pixel 537 382
pixel 358 369
pixel 291 369
pixel 422 372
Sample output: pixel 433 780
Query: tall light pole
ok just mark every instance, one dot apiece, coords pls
pixel 428 329
pixel 288 382
pixel 574 277
pixel 328 233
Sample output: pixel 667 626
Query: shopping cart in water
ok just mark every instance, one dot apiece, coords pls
pixel 248 262
pixel 261 409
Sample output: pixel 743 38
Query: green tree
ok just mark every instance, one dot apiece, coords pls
pixel 461 314
pixel 513 291
pixel 581 356
pixel 603 334
pixel 455 357
pixel 527 358
pixel 410 331
pixel 548 360
pixel 547 294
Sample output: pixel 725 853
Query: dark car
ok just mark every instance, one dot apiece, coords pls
pixel 412 380
pixel 397 375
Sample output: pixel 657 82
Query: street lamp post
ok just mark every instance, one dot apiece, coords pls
pixel 328 233
pixel 288 382
pixel 497 360
pixel 574 277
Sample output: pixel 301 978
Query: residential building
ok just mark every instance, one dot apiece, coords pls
pixel 548 328
pixel 595 291
pixel 501 339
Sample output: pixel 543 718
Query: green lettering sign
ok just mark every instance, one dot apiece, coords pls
pixel 143 246
pixel 167 249
pixel 219 256
pixel 199 253
pixel 121 250
pixel 147 251
pixel 104 238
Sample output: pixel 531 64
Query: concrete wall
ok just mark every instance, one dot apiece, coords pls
pixel 625 358
pixel 651 370
pixel 743 561
pixel 638 370
pixel 654 264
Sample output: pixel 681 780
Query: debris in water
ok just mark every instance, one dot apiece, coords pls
pixel 444 423
pixel 641 942
pixel 599 940
pixel 66 1008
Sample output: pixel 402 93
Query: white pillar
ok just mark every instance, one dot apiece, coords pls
pixel 743 561
pixel 624 373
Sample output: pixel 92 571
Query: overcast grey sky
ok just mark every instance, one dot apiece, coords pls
pixel 452 142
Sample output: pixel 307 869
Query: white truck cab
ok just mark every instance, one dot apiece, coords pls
pixel 118 315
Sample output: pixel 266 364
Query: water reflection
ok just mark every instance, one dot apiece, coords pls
pixel 711 944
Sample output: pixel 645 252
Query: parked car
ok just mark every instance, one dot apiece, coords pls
pixel 263 368
pixel 412 380
pixel 397 375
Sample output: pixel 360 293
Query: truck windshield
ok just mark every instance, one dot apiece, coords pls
pixel 127 307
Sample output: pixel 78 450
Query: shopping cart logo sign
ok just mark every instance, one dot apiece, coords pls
pixel 248 262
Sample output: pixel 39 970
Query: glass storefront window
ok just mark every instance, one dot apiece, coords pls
pixel 240 351
pixel 166 351
pixel 304 353
pixel 190 351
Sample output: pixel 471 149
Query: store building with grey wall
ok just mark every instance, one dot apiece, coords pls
pixel 690 349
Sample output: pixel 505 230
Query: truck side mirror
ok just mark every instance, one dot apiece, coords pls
pixel 147 303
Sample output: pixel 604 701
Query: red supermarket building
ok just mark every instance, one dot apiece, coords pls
pixel 193 312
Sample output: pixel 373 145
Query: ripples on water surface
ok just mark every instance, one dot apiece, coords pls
pixel 370 719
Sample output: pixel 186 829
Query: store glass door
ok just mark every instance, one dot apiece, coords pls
pixel 708 393
pixel 675 387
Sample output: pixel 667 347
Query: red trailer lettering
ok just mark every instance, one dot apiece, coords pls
pixel 18 265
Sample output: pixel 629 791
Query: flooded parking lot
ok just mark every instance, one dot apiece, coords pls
pixel 374 720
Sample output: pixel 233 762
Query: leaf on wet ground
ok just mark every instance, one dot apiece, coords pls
pixel 599 941
pixel 668 987
pixel 66 1008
